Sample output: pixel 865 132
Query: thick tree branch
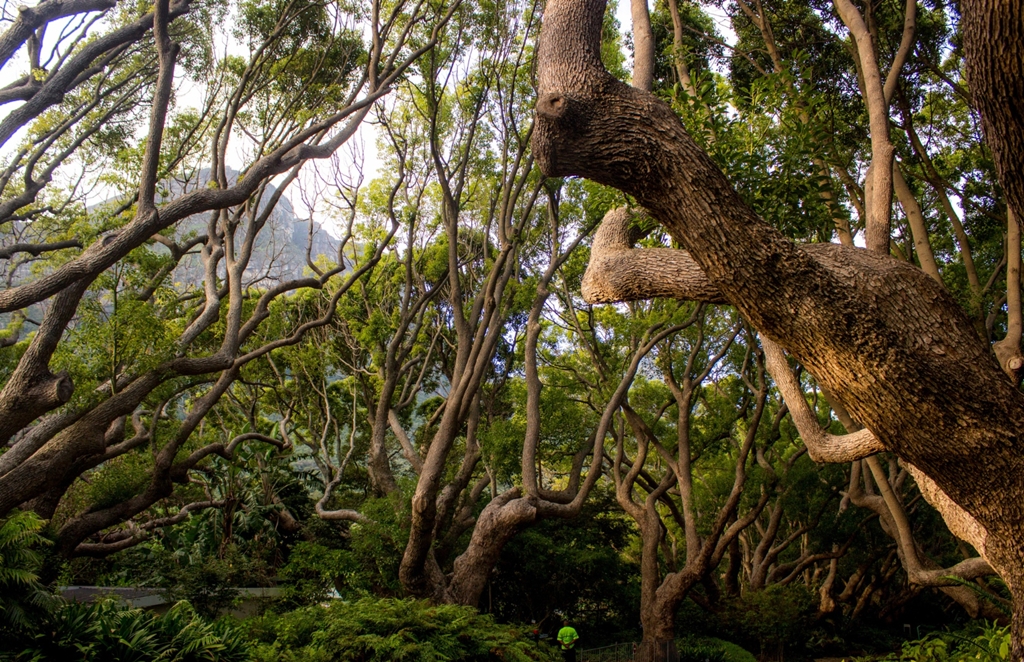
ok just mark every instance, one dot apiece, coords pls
pixel 37 249
pixel 879 334
pixel 31 18
pixel 135 534
pixel 619 272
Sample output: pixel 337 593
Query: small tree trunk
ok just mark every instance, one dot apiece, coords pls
pixel 732 573
pixel 650 577
pixel 379 465
pixel 643 45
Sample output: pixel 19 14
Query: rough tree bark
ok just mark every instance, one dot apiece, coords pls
pixel 994 52
pixel 882 336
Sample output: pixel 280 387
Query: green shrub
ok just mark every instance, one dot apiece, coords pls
pixel 734 653
pixel 772 619
pixel 700 650
pixel 107 631
pixel 314 571
pixel 978 642
pixel 389 630
pixel 709 649
pixel 22 597
pixel 209 586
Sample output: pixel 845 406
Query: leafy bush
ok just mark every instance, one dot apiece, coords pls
pixel 22 597
pixel 700 650
pixel 108 631
pixel 314 571
pixel 389 630
pixel 772 619
pixel 207 581
pixel 733 652
pixel 979 642
pixel 209 586
pixel 709 649
pixel 575 568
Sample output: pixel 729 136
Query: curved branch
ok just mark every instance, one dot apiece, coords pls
pixel 57 86
pixel 905 48
pixel 31 18
pixel 408 450
pixel 227 451
pixel 124 539
pixel 824 447
pixel 619 272
pixel 821 446
pixel 344 515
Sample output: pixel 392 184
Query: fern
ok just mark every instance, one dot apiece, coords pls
pixel 109 631
pixel 22 597
pixel 977 642
pixel 386 630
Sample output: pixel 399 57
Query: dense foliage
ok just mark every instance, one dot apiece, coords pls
pixel 985 642
pixel 370 630
pixel 106 631
pixel 22 596
pixel 405 397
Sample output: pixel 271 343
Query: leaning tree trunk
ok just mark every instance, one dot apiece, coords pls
pixel 882 336
pixel 501 520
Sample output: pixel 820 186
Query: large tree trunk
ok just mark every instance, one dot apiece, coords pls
pixel 994 51
pixel 882 336
pixel 48 467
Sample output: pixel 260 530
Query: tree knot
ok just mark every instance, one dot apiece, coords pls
pixel 552 105
pixel 64 388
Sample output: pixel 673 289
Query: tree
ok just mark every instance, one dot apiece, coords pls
pixel 129 355
pixel 877 333
pixel 686 362
pixel 911 39
pixel 432 342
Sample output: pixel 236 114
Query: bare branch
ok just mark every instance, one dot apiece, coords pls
pixel 37 249
pixel 136 534
pixel 31 18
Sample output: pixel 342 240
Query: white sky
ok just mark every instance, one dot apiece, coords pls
pixel 189 94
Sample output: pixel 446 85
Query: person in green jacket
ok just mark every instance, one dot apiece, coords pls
pixel 567 638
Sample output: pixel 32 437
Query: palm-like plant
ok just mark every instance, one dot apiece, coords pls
pixel 107 630
pixel 21 593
